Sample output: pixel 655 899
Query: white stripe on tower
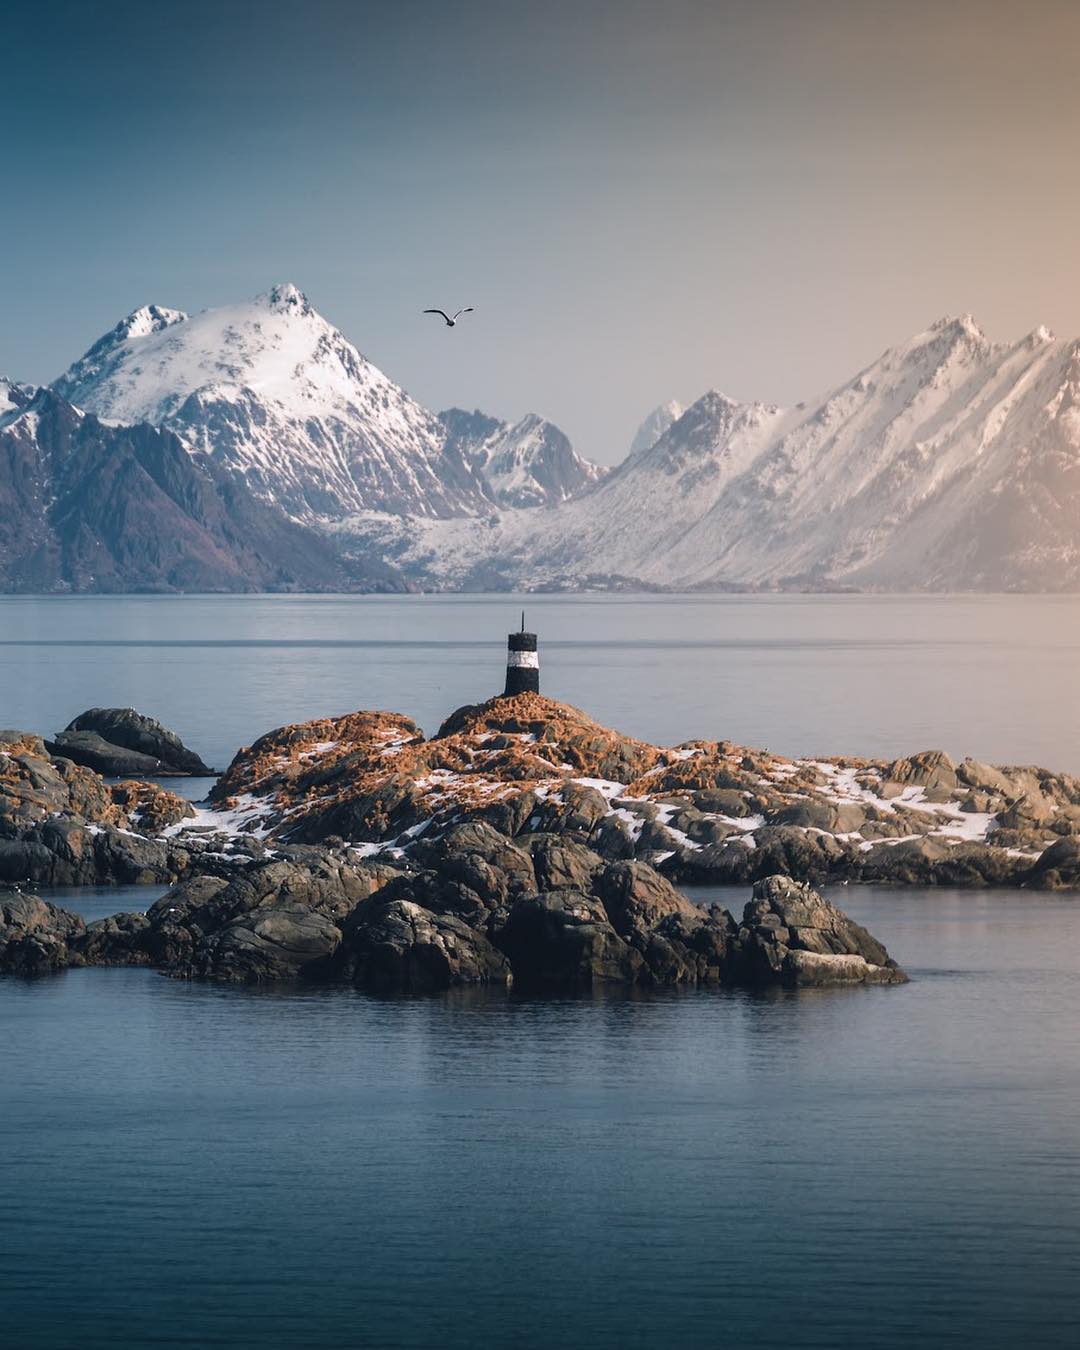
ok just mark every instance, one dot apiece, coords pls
pixel 522 663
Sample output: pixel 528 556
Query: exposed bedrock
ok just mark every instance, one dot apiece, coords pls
pixel 61 825
pixel 705 811
pixel 481 811
pixel 121 743
pixel 471 916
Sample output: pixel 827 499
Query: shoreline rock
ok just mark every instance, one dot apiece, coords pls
pixel 707 812
pixel 529 774
pixel 122 743
pixel 328 920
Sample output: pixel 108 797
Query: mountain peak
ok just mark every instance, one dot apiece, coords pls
pixel 286 297
pixel 654 426
pixel 13 396
pixel 959 325
pixel 139 323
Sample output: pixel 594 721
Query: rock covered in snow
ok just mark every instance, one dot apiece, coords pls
pixel 272 393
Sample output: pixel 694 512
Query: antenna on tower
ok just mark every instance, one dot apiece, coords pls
pixel 523 621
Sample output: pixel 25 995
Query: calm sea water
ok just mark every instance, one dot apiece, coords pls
pixel 991 676
pixel 196 1166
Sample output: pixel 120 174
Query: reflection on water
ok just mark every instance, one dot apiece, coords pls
pixel 208 1166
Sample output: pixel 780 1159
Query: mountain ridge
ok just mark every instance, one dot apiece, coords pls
pixel 277 395
pixel 949 462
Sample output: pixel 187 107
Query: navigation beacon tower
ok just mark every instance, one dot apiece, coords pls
pixel 522 663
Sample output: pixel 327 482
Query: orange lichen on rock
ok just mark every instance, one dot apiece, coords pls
pixel 528 765
pixel 149 808
pixel 369 774
pixel 35 786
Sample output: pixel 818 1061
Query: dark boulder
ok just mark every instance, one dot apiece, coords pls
pixel 481 857
pixel 271 943
pixel 397 946
pixel 1057 868
pixel 560 864
pixel 93 752
pixel 833 817
pixel 785 849
pixel 636 897
pixel 689 948
pixel 574 809
pixel 723 801
pixel 124 729
pixel 266 922
pixel 791 936
pixel 35 936
pixel 933 862
pixel 119 940
pixel 612 838
pixel 564 940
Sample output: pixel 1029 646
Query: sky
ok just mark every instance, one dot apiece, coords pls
pixel 642 201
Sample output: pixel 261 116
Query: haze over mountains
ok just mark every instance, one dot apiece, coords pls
pixel 253 447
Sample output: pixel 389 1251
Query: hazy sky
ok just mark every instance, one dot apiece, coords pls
pixel 641 200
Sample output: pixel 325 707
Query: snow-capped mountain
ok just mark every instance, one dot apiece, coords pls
pixel 949 463
pixel 526 463
pixel 253 446
pixel 275 394
pixel 655 425
pixel 92 506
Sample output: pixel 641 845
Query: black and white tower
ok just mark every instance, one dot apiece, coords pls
pixel 522 663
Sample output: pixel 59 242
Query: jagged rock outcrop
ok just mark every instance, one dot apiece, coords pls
pixel 35 936
pixel 61 825
pixel 397 946
pixel 324 916
pixel 792 937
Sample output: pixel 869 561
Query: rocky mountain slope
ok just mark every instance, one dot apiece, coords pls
pixel 275 395
pixel 526 463
pixel 950 463
pixel 88 506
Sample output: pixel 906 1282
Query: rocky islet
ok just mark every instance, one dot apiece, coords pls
pixel 524 843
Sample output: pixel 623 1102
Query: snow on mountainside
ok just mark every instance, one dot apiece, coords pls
pixel 91 506
pixel 13 397
pixel 655 425
pixel 276 395
pixel 272 392
pixel 949 463
pixel 526 463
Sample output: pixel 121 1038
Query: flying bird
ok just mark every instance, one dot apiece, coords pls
pixel 450 321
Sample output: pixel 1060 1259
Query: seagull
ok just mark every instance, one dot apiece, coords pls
pixel 450 321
